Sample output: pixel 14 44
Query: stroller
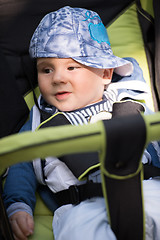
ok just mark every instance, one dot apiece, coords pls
pixel 137 23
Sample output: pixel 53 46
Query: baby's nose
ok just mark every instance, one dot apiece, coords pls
pixel 59 77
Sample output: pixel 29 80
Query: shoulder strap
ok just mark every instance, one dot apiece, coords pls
pixel 73 161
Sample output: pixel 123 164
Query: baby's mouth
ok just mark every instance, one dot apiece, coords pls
pixel 62 95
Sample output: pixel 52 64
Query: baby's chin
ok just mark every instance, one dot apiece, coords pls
pixel 73 107
pixel 66 108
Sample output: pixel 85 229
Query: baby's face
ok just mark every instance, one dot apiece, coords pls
pixel 69 85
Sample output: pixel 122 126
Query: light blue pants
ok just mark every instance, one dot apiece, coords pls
pixel 87 220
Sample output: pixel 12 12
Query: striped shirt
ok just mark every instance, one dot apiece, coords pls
pixel 83 115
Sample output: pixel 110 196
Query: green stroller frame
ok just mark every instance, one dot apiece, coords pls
pixel 17 148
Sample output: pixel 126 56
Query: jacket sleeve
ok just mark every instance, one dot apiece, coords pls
pixel 20 187
pixel 21 183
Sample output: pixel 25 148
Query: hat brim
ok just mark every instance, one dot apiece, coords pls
pixel 121 66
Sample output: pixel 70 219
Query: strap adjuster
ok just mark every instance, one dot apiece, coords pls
pixel 74 194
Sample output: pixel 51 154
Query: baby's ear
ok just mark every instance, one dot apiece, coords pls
pixel 107 75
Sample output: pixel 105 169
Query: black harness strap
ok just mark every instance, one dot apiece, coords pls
pixel 125 139
pixel 78 193
pixel 75 162
pixel 150 171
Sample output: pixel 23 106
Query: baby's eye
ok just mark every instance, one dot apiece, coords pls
pixel 47 70
pixel 71 68
pixel 44 70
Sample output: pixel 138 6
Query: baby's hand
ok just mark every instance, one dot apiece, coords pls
pixel 22 225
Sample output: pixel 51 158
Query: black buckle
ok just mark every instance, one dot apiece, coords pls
pixel 74 194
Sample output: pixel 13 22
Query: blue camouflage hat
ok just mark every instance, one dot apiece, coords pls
pixel 79 34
